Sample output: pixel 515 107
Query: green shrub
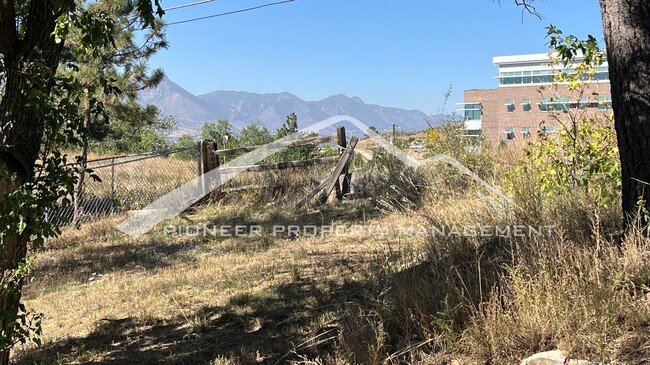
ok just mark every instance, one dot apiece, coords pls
pixel 583 156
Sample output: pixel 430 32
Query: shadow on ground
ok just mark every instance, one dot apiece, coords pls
pixel 275 326
pixel 268 217
pixel 270 328
pixel 79 264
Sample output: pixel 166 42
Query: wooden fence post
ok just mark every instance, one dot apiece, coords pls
pixel 345 186
pixel 199 169
pixel 332 182
pixel 210 161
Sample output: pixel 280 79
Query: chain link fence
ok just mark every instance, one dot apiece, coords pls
pixel 130 182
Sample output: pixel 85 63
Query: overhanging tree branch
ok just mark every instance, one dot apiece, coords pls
pixel 527 6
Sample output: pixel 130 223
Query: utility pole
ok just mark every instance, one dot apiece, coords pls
pixel 393 139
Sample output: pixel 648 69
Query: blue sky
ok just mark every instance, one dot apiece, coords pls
pixel 393 53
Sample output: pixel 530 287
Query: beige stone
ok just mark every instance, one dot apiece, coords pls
pixel 555 357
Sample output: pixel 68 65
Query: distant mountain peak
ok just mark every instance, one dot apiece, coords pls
pixel 243 108
pixel 337 97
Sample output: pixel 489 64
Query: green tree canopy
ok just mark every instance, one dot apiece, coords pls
pixel 221 133
pixel 254 135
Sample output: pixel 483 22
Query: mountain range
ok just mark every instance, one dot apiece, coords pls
pixel 270 110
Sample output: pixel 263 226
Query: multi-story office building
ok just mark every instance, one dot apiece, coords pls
pixel 527 95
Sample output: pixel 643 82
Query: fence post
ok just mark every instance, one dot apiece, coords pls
pixel 113 183
pixel 210 162
pixel 345 186
pixel 199 171
pixel 77 197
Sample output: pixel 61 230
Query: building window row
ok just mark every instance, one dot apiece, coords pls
pixel 561 104
pixel 526 132
pixel 554 104
pixel 547 76
pixel 473 133
pixel 565 103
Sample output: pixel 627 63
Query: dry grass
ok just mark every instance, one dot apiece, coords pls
pixel 500 299
pixel 112 299
pixel 560 294
pixel 362 299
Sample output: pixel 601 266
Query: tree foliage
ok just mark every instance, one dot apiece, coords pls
pixel 627 36
pixel 110 78
pixel 254 135
pixel 220 133
pixel 289 127
pixel 585 158
pixel 584 154
pixel 134 129
pixel 45 47
pixel 187 141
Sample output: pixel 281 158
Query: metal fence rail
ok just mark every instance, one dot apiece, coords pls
pixel 130 182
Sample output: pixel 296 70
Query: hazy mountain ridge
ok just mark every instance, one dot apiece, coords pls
pixel 243 108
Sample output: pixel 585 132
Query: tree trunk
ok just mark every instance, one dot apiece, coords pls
pixel 27 62
pixel 12 252
pixel 626 25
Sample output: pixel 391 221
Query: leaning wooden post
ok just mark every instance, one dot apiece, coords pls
pixel 210 162
pixel 345 186
pixel 338 171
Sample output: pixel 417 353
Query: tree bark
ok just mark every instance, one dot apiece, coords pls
pixel 27 61
pixel 626 25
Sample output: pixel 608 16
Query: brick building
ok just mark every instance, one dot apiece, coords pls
pixel 526 96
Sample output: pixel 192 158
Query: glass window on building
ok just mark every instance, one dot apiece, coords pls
pixel 472 133
pixel 542 77
pixel 584 102
pixel 472 111
pixel 604 102
pixel 510 133
pixel 563 103
pixel 525 132
pixel 472 114
pixel 544 104
pixel 547 129
pixel 554 104
pixel 548 76
pixel 512 78
pixel 526 105
pixel 602 74
pixel 510 105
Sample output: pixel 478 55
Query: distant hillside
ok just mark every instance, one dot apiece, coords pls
pixel 243 108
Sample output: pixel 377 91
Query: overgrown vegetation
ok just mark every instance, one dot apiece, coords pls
pixel 467 289
pixel 389 294
pixel 223 134
pixel 372 298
